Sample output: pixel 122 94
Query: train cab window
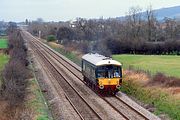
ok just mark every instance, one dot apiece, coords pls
pixel 117 71
pixel 109 71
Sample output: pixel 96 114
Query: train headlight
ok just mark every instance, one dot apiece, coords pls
pixel 118 86
pixel 101 86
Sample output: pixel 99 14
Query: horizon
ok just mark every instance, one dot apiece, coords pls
pixel 18 13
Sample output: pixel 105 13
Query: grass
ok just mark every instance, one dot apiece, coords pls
pixel 37 102
pixel 162 101
pixel 3 60
pixel 169 65
pixel 3 43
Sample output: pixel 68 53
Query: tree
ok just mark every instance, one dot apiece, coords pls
pixel 64 34
pixel 170 26
pixel 39 20
pixel 151 24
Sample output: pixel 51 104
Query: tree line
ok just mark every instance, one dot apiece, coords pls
pixel 15 73
pixel 137 33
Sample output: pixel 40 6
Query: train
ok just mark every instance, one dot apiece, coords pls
pixel 102 73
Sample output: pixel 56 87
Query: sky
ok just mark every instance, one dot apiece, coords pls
pixel 63 10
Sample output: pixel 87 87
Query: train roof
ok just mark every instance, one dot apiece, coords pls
pixel 99 60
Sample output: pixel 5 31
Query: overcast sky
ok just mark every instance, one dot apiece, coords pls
pixel 62 10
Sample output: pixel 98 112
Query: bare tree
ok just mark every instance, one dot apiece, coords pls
pixel 170 27
pixel 151 24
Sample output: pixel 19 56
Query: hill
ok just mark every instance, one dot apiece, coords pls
pixel 171 12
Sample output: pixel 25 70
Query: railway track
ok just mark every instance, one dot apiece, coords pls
pixel 57 87
pixel 79 104
pixel 72 68
pixel 124 109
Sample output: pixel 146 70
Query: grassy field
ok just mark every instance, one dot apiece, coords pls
pixel 3 43
pixel 3 60
pixel 163 101
pixel 169 65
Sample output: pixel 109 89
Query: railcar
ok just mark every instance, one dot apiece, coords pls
pixel 102 72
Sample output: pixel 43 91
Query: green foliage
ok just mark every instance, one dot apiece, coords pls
pixel 163 102
pixel 43 118
pixel 167 64
pixel 51 38
pixel 3 43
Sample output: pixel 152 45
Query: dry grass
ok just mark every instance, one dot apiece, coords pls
pixel 15 113
pixel 139 77
pixel 169 84
pixel 55 45
pixel 163 100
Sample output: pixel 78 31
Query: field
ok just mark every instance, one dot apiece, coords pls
pixel 166 64
pixel 163 99
pixel 3 60
pixel 3 43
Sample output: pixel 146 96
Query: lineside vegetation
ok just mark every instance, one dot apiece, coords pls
pixel 20 97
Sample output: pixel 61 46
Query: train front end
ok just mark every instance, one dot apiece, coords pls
pixel 109 75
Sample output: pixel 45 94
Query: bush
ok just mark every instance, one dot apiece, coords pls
pixel 164 80
pixel 51 38
pixel 15 82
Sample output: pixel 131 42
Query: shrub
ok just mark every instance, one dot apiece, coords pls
pixel 51 38
pixel 167 81
pixel 15 82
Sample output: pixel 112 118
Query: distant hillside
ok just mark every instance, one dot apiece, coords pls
pixel 171 12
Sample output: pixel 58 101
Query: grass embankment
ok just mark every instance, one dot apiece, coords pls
pixel 70 55
pixel 166 64
pixel 163 102
pixel 3 43
pixel 157 96
pixel 37 102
